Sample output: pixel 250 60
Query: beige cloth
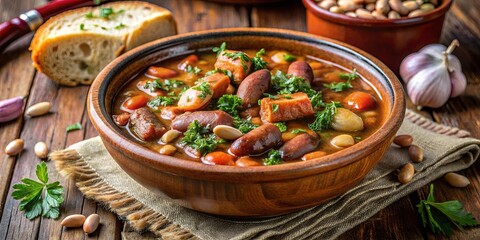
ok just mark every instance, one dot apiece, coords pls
pixel 100 178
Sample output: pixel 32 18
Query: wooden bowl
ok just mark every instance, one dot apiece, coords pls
pixel 255 191
pixel 390 40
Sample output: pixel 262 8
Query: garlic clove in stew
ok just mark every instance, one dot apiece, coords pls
pixel 433 75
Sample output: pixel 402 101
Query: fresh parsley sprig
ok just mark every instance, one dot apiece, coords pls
pixel 220 49
pixel 238 55
pixel 443 217
pixel 204 88
pixel 341 86
pixel 324 117
pixel 273 158
pixel 230 104
pixel 244 125
pixel 258 62
pixel 39 198
pixel 161 101
pixel 200 138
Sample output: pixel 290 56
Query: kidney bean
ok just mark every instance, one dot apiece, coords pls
pixel 210 118
pixel 301 69
pixel 298 146
pixel 403 140
pixel 257 141
pixel 253 86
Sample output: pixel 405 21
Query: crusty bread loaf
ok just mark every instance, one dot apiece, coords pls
pixel 74 46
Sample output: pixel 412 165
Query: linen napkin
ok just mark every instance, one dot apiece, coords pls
pixel 99 177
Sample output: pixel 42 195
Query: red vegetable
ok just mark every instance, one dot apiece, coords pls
pixel 135 102
pixel 161 72
pixel 219 158
pixel 360 101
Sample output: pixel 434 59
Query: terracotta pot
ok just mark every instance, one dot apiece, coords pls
pixel 235 191
pixel 389 40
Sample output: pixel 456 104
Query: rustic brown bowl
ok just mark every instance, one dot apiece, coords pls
pixel 389 40
pixel 255 191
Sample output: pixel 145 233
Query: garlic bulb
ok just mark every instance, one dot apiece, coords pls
pixel 433 75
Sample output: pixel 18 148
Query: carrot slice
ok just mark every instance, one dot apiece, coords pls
pixel 360 101
pixel 135 102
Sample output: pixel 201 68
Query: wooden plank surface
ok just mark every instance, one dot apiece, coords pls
pixel 18 77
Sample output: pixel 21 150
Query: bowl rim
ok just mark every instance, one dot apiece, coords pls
pixel 105 128
pixel 347 20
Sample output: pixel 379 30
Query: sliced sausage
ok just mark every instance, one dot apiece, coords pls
pixel 239 67
pixel 146 125
pixel 210 118
pixel 298 146
pixel 301 69
pixel 296 106
pixel 219 83
pixel 252 87
pixel 257 141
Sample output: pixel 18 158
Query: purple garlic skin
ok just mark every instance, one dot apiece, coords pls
pixel 433 75
pixel 11 108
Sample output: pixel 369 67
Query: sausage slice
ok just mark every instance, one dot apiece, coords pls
pixel 211 118
pixel 252 87
pixel 257 141
pixel 301 69
pixel 298 146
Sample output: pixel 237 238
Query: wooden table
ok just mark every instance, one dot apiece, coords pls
pixel 19 78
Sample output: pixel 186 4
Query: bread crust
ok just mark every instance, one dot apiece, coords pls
pixel 41 45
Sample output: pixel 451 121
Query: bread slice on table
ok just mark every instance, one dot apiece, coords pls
pixel 73 47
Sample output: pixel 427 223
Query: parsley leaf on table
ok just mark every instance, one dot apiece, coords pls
pixel 73 127
pixel 324 117
pixel 39 198
pixel 443 217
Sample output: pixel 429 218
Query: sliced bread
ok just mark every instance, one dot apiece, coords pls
pixel 73 47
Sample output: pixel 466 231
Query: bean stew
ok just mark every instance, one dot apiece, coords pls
pixel 248 107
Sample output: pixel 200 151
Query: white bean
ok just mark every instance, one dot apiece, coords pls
pixel 342 141
pixel 14 147
pixel 347 121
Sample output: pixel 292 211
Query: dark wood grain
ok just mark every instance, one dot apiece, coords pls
pixel 18 77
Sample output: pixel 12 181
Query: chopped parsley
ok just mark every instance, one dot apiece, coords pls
pixel 274 97
pixel 341 86
pixel 289 58
pixel 281 126
pixel 357 138
pixel 120 26
pixel 106 12
pixel 238 55
pixel 220 49
pixel 160 101
pixel 230 104
pixel 288 84
pixel 204 89
pixel 194 70
pixel 258 62
pixel 298 130
pixel 244 125
pixel 287 96
pixel 324 117
pixel 39 198
pixel 273 158
pixel 200 138
pixel 443 217
pixel 89 15
pixel 74 127
pixel 226 72
pixel 166 85
pixel 82 27
pixel 275 107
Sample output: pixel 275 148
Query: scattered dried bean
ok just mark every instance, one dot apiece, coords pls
pixel 415 153
pixel 14 147
pixel 406 173
pixel 403 140
pixel 456 180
